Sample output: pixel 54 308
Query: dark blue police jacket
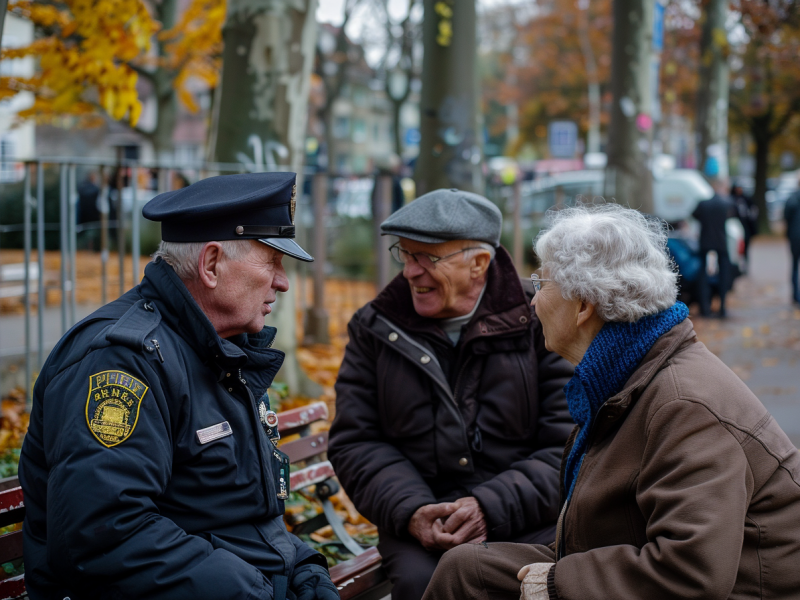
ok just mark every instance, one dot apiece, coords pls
pixel 130 489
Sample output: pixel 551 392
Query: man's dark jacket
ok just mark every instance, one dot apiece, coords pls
pixel 419 422
pixel 134 505
pixel 712 215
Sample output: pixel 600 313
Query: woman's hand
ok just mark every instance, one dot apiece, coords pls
pixel 534 581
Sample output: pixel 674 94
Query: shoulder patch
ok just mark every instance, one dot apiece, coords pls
pixel 112 408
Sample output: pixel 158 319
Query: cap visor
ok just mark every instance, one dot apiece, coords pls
pixel 289 247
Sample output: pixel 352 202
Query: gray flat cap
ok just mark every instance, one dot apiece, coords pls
pixel 443 215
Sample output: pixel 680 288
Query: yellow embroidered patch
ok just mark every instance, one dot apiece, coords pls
pixel 112 408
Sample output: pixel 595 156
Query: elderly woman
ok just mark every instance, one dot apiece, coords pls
pixel 676 483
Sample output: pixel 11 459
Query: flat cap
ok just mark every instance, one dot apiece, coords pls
pixel 443 215
pixel 251 206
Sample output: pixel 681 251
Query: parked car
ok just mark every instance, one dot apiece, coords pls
pixel 676 194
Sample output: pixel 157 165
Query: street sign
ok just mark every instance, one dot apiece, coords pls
pixel 658 28
pixel 562 139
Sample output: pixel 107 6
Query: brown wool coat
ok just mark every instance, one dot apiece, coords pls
pixel 689 489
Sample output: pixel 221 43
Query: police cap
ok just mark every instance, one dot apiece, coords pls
pixel 251 206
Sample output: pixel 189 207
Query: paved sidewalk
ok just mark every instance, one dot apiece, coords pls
pixel 760 339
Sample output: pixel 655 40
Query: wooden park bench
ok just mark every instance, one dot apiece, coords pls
pixel 360 578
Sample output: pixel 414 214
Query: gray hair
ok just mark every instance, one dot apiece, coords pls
pixel 611 256
pixel 183 256
pixel 476 247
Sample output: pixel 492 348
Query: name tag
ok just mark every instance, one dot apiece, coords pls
pixel 215 432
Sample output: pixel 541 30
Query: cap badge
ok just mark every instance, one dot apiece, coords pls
pixel 293 203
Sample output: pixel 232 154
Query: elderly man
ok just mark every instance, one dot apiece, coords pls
pixel 450 413
pixel 149 470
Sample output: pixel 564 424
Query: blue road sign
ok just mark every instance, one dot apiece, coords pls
pixel 562 139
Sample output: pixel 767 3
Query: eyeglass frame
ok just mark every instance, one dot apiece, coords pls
pixel 431 257
pixel 537 282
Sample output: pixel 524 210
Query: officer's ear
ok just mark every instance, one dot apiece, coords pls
pixel 208 264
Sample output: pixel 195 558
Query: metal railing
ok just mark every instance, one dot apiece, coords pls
pixel 315 216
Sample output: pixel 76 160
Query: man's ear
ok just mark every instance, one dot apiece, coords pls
pixel 208 264
pixel 480 263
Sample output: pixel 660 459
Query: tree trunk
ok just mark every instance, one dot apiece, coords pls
pixel 398 135
pixel 167 115
pixel 711 123
pixel 628 178
pixel 450 148
pixel 267 60
pixel 762 138
pixel 262 114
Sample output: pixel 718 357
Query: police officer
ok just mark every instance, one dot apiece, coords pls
pixel 148 469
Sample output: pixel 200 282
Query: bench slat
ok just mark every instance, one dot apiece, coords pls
pixel 342 573
pixel 310 475
pixel 12 506
pixel 12 587
pixel 297 418
pixel 306 447
pixel 11 499
pixel 10 546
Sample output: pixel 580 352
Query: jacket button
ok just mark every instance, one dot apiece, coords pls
pixel 425 359
pixel 228 375
pixel 523 319
pixel 463 461
pixel 393 337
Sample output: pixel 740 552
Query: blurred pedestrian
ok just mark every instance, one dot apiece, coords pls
pixel 677 482
pixel 748 215
pixel 791 212
pixel 712 214
pixel 89 211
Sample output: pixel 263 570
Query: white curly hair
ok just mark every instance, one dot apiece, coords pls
pixel 612 257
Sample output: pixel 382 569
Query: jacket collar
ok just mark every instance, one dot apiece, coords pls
pixel 503 311
pixel 182 314
pixel 662 351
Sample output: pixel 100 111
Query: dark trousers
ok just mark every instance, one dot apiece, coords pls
pixel 410 567
pixel 724 278
pixel 795 275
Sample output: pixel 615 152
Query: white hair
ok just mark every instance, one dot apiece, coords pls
pixel 183 257
pixel 612 257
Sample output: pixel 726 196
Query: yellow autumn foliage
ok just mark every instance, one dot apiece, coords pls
pixel 90 50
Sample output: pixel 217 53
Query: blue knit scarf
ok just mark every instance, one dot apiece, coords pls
pixel 609 362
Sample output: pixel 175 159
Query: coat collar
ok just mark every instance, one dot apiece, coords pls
pixel 663 350
pixel 182 314
pixel 504 310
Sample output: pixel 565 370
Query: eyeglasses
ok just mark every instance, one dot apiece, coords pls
pixel 537 282
pixel 427 261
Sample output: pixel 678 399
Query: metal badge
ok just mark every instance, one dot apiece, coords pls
pixel 293 203
pixel 215 432
pixel 270 422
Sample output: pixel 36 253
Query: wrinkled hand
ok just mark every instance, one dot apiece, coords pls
pixel 422 523
pixel 312 582
pixel 534 581
pixel 466 525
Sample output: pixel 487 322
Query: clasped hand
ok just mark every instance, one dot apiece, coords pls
pixel 449 524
